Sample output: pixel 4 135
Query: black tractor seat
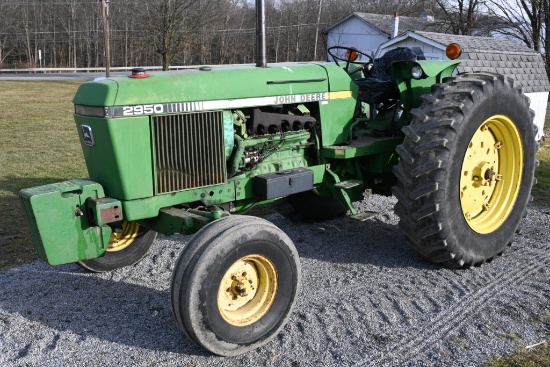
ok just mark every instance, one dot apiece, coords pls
pixel 378 84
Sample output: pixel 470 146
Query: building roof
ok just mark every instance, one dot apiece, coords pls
pixel 477 44
pixel 503 56
pixel 384 23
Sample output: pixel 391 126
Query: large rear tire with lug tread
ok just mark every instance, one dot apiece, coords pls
pixel 466 169
pixel 235 284
pixel 128 244
pixel 309 206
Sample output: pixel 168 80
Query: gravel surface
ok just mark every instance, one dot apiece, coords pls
pixel 367 299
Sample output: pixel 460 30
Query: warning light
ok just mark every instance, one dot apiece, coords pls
pixel 453 51
pixel 352 54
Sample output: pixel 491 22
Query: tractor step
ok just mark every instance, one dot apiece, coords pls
pixel 363 216
pixel 344 185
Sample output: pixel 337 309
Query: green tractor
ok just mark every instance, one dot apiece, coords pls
pixel 187 151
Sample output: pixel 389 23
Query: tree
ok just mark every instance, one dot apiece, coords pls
pixel 172 25
pixel 462 15
pixel 546 10
pixel 7 46
pixel 522 20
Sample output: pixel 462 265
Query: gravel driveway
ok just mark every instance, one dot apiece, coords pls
pixel 367 299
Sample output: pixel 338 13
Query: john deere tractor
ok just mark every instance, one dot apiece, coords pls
pixel 187 151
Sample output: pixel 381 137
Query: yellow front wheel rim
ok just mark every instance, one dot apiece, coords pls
pixel 247 290
pixel 491 174
pixel 123 237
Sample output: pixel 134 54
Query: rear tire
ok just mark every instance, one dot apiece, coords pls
pixel 235 284
pixel 466 169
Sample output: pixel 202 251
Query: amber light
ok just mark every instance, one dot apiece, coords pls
pixel 352 54
pixel 453 51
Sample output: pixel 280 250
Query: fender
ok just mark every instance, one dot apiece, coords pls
pixel 411 89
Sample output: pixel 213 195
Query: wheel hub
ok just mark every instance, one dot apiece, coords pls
pixel 241 285
pixel 247 290
pixel 122 237
pixel 491 174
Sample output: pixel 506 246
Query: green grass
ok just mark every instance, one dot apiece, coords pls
pixel 38 145
pixel 538 356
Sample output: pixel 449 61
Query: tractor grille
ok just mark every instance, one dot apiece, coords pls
pixel 189 151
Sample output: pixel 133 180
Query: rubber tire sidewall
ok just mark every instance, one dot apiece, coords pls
pixel 198 306
pixel 131 255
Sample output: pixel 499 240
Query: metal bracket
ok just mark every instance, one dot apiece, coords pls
pixel 348 184
pixel 105 210
pixel 175 220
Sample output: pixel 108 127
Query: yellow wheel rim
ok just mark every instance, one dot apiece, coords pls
pixel 247 290
pixel 491 174
pixel 123 237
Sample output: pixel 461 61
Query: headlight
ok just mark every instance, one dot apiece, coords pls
pixel 417 72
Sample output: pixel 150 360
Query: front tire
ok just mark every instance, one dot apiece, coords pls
pixel 466 169
pixel 235 284
pixel 128 244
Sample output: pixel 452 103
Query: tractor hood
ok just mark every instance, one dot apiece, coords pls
pixel 187 90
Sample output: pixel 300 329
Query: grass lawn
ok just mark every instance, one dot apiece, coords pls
pixel 538 356
pixel 39 145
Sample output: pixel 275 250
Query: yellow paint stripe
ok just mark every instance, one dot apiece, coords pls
pixel 339 95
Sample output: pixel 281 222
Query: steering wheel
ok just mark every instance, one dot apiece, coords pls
pixel 351 55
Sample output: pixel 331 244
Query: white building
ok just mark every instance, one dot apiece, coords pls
pixel 366 31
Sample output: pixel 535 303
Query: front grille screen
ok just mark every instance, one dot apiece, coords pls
pixel 189 151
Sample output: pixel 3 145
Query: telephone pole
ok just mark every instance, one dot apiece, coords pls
pixel 105 12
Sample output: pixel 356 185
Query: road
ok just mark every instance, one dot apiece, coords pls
pixel 56 76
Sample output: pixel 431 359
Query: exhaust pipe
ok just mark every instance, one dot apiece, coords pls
pixel 261 61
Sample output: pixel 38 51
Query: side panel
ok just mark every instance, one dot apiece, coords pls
pixel 336 120
pixel 120 157
pixel 337 113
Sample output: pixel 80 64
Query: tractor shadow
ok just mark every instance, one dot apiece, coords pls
pixel 66 298
pixel 343 240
